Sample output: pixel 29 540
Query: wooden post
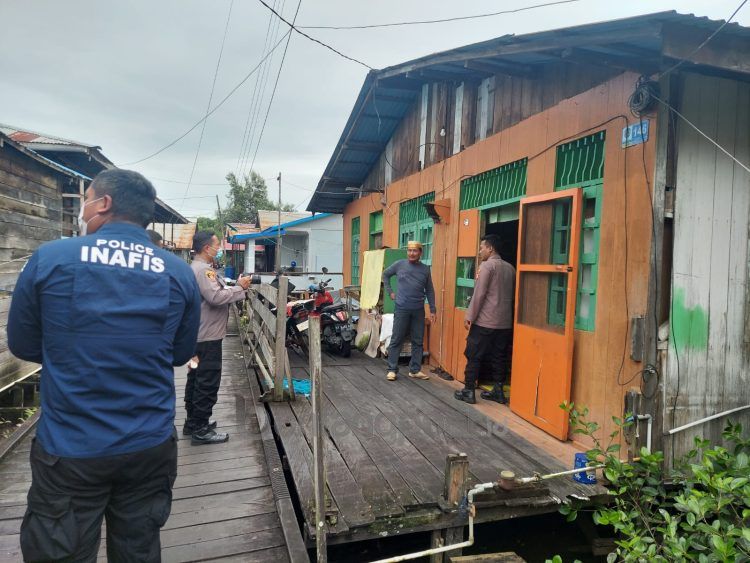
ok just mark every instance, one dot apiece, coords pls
pixel 318 452
pixel 454 490
pixel 280 350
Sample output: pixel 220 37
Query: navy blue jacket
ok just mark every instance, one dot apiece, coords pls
pixel 107 315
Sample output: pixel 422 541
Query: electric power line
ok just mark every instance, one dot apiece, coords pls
pixel 443 20
pixel 699 47
pixel 246 141
pixel 210 99
pixel 275 85
pixel 704 135
pixel 258 102
pixel 182 182
pixel 216 107
pixel 318 41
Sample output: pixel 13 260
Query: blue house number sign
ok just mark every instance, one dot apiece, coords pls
pixel 635 134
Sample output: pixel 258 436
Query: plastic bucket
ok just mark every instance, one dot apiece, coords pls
pixel 586 477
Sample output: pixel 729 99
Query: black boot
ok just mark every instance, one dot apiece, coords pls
pixel 496 395
pixel 208 435
pixel 189 427
pixel 465 395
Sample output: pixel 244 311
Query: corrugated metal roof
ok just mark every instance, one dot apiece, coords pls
pixel 386 95
pixel 268 219
pixel 24 136
pixel 273 230
pixel 180 235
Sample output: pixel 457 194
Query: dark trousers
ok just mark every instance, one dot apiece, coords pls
pixel 69 497
pixel 202 388
pixel 407 322
pixel 487 347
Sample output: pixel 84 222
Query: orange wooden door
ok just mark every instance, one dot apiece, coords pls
pixel 459 345
pixel 469 224
pixel 468 232
pixel 547 273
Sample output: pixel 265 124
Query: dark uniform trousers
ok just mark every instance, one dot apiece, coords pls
pixel 486 347
pixel 202 387
pixel 69 497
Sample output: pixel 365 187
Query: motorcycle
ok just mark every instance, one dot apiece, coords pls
pixel 336 330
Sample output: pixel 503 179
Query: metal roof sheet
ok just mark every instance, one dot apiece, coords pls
pixel 181 235
pixel 272 231
pixel 268 219
pixel 24 136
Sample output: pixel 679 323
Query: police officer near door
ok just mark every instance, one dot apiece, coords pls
pixel 489 321
pixel 108 315
pixel 202 388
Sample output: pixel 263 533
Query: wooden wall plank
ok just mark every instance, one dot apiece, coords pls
pixel 737 368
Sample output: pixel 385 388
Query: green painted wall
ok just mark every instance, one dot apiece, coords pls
pixel 689 325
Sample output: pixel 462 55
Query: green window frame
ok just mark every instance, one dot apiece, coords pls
pixel 499 185
pixel 560 251
pixel 580 163
pixel 465 277
pixel 355 251
pixel 415 224
pixel 376 230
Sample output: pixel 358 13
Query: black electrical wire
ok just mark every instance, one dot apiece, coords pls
pixel 258 101
pixel 318 41
pixel 443 20
pixel 266 44
pixel 210 113
pixel 208 105
pixel 275 85
pixel 699 47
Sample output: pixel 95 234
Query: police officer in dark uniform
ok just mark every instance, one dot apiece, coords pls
pixel 203 380
pixel 108 315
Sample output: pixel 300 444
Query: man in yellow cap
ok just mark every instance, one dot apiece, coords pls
pixel 414 286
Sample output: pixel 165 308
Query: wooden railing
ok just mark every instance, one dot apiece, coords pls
pixel 265 332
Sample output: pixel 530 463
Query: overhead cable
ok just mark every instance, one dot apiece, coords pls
pixel 709 38
pixel 704 135
pixel 258 102
pixel 318 41
pixel 442 20
pixel 275 85
pixel 249 132
pixel 217 106
pixel 210 99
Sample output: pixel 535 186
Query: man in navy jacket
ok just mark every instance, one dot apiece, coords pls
pixel 108 315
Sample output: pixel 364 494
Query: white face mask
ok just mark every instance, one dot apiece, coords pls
pixel 83 225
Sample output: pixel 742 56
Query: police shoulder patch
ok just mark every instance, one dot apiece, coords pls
pixel 210 274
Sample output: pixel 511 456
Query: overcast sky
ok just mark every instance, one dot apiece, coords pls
pixel 132 76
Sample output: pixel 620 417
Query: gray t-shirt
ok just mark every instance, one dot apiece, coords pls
pixel 414 284
pixel 215 300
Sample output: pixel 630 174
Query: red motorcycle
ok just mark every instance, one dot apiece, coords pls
pixel 336 330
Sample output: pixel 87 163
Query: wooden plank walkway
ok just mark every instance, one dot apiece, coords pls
pixel 224 503
pixel 386 444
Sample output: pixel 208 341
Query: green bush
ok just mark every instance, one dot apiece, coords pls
pixel 698 511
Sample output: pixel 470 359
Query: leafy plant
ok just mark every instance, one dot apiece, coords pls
pixel 698 511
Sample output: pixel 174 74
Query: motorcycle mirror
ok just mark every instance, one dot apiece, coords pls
pixel 324 270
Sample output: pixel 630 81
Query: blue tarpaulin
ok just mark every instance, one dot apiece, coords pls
pixel 301 386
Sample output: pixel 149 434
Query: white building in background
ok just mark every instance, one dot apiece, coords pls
pixel 309 243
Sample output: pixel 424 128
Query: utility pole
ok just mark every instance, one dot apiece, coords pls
pixel 221 223
pixel 278 232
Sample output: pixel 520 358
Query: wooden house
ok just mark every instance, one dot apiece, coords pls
pixel 42 182
pixel 620 217
pixel 85 160
pixel 33 200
